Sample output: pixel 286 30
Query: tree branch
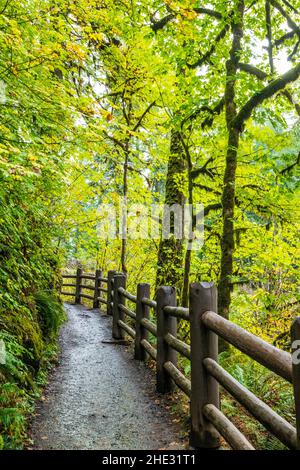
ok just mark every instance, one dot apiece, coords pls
pixel 253 70
pixel 160 24
pixel 267 92
pixel 290 167
pixel 269 34
pixel 288 18
pixel 209 53
pixel 283 38
pixel 139 122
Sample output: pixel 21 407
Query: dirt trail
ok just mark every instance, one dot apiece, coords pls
pixel 98 396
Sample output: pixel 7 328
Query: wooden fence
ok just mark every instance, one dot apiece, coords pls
pixel 207 421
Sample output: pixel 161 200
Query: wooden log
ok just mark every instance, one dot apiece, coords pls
pixel 102 289
pixel 118 314
pixel 83 286
pixel 102 300
pixel 127 311
pixel 130 331
pixel 142 313
pixel 225 427
pixel 178 345
pixel 165 324
pixel 149 302
pixel 68 276
pixel 277 425
pixel 86 296
pixel 69 285
pixel 149 348
pixel 295 337
pixel 110 277
pixel 97 287
pixel 127 294
pixel 67 293
pixel 103 279
pixel 78 288
pixel 269 356
pixel 149 325
pixel 179 378
pixel 204 343
pixel 88 276
pixel 178 312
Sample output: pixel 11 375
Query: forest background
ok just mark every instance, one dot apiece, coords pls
pixel 158 102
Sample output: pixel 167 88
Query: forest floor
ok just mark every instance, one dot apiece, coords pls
pixel 99 397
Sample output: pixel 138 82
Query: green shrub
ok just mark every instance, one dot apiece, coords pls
pixel 50 314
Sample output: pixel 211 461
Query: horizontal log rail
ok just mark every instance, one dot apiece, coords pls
pixel 269 356
pixel 88 276
pixel 102 289
pixel 149 348
pixel 277 425
pixel 225 427
pixel 179 378
pixel 86 296
pixel 149 325
pixel 83 286
pixel 208 422
pixel 178 345
pixel 127 294
pixel 179 312
pixel 130 331
pixel 127 311
pixel 151 303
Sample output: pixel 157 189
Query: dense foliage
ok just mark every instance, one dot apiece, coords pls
pixel 158 102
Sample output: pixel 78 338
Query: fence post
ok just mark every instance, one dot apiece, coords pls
pixel 98 274
pixel 295 337
pixel 119 281
pixel 78 288
pixel 204 343
pixel 142 311
pixel 110 287
pixel 165 295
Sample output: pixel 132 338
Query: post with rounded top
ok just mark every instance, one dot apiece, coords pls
pixel 110 277
pixel 118 314
pixel 204 343
pixel 98 274
pixel 165 295
pixel 142 311
pixel 295 337
pixel 78 283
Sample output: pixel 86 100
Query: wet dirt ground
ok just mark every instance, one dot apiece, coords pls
pixel 99 397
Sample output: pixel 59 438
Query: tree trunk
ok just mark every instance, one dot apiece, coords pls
pixel 228 195
pixel 125 191
pixel 170 252
pixel 188 253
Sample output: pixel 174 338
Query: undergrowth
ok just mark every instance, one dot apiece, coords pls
pixel 26 366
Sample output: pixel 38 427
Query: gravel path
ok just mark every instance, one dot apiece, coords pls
pixel 99 397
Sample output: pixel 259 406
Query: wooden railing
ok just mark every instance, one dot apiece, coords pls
pixel 202 388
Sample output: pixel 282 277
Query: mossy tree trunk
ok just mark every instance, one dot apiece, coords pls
pixel 171 250
pixel 228 195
